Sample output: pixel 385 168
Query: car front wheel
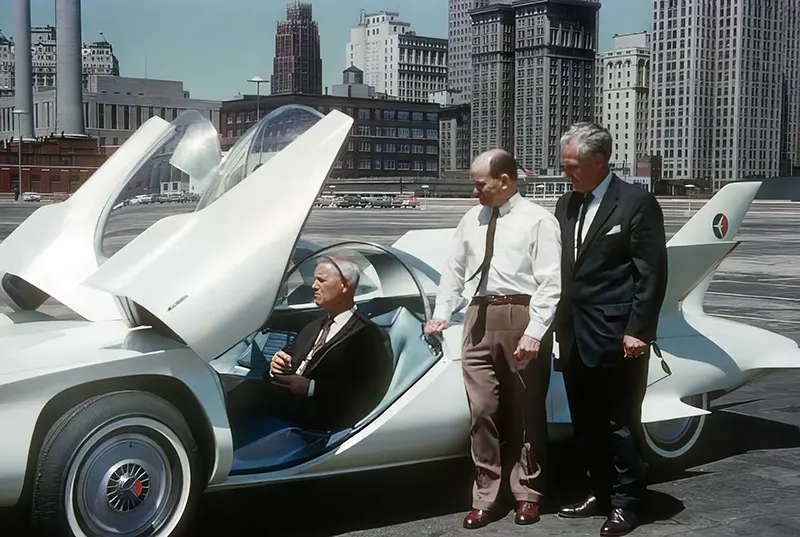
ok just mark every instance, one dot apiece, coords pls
pixel 121 464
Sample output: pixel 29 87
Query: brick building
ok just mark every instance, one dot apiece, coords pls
pixel 297 67
pixel 394 144
pixel 49 165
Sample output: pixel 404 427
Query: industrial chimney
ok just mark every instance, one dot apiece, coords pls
pixel 69 68
pixel 24 66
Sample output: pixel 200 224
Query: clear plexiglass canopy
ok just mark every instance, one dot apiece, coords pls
pixel 186 171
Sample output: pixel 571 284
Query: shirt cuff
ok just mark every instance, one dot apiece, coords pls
pixel 311 388
pixel 443 310
pixel 535 330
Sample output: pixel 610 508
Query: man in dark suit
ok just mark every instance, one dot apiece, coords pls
pixel 614 276
pixel 336 370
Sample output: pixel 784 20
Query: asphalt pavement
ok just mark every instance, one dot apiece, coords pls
pixel 747 481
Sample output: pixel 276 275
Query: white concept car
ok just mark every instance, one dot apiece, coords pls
pixel 115 423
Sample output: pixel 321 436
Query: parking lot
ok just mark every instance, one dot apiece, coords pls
pixel 748 484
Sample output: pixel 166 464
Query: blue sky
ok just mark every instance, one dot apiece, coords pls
pixel 214 46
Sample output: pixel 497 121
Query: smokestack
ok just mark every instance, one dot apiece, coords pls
pixel 24 66
pixel 69 67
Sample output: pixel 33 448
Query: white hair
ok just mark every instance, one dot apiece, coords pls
pixel 591 139
pixel 349 269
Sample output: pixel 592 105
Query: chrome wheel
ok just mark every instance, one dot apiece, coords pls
pixel 674 438
pixel 129 478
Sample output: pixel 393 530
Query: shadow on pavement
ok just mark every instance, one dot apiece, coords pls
pixel 383 498
pixel 339 505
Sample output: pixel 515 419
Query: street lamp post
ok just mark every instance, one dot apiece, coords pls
pixel 17 112
pixel 257 80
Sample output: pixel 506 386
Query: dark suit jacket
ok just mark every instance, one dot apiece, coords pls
pixel 616 285
pixel 351 373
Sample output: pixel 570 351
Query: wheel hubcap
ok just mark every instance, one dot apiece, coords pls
pixel 669 432
pixel 129 479
pixel 128 487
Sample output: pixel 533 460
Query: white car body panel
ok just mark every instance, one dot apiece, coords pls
pixel 43 359
pixel 221 260
pixel 54 248
pixel 212 277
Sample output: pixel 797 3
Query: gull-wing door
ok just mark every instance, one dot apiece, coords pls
pixel 211 277
pixel 53 251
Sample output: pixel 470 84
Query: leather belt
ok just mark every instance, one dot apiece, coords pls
pixel 495 300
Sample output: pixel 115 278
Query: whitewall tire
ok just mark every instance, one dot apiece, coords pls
pixel 123 464
pixel 674 443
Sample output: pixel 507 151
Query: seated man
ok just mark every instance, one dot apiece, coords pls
pixel 336 370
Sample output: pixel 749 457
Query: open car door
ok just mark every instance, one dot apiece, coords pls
pixel 53 251
pixel 212 276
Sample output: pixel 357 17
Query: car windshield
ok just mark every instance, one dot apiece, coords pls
pixel 186 170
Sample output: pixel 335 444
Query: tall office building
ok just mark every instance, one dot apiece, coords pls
pixel 791 110
pixel 395 60
pixel 533 76
pixel 459 43
pixel 493 79
pixel 724 86
pixel 298 64
pixel 622 98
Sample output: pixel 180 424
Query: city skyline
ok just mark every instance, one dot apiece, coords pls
pixel 187 36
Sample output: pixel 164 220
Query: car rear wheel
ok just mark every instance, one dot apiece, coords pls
pixel 674 443
pixel 120 464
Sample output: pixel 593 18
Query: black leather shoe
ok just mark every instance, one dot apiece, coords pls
pixel 621 522
pixel 587 508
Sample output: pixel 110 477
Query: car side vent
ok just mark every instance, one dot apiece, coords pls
pixel 136 315
pixel 24 296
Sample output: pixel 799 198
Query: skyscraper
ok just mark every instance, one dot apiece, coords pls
pixel 622 84
pixel 298 64
pixel 724 88
pixel 459 43
pixel 534 75
pixel 396 60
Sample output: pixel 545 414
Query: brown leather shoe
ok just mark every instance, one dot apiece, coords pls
pixel 477 518
pixel 527 513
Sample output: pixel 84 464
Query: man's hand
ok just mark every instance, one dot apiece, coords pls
pixel 634 348
pixel 527 350
pixel 436 326
pixel 281 364
pixel 296 384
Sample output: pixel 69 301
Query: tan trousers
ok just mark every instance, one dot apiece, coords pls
pixel 508 421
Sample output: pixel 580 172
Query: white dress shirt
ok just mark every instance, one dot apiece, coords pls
pixel 338 323
pixel 526 260
pixel 591 210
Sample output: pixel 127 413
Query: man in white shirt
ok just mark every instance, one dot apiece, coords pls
pixel 507 258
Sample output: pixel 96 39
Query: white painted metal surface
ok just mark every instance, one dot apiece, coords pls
pixel 212 275
pixel 54 248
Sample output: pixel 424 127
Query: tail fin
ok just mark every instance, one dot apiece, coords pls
pixel 698 248
pixel 719 219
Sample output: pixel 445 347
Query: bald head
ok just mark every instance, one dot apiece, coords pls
pixel 496 162
pixel 494 174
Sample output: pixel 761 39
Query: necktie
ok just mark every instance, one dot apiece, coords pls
pixel 326 328
pixel 584 206
pixel 489 251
